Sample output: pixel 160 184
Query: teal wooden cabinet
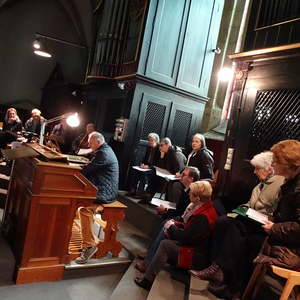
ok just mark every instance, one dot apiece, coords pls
pixel 169 114
pixel 178 42
pixel 200 39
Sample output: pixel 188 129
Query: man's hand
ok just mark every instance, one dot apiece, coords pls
pixel 178 175
pixel 144 166
pixel 267 227
pixel 161 209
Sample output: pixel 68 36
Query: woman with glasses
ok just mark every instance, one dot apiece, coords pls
pixel 187 242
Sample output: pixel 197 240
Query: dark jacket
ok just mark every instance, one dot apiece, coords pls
pixel 181 205
pixel 153 160
pixel 284 237
pixel 193 236
pixel 15 126
pixel 103 172
pixel 34 127
pixel 173 161
pixel 203 160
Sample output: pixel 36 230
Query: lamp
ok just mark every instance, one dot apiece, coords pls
pixel 71 119
pixel 39 48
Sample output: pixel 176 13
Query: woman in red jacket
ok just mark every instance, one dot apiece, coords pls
pixel 188 240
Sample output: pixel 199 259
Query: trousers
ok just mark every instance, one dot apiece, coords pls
pixel 86 217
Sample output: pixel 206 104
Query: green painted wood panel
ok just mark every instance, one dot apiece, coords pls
pixel 166 41
pixel 199 41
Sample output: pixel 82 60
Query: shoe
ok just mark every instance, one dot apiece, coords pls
pixel 141 266
pixel 86 254
pixel 143 283
pixel 222 291
pixel 212 273
pixel 141 255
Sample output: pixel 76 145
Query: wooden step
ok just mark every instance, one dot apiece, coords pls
pixel 127 289
pixel 198 290
pixel 165 288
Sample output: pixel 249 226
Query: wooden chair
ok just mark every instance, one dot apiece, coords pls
pixel 292 280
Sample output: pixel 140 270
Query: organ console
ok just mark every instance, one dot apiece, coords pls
pixel 44 194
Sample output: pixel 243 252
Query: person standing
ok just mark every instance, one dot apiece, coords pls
pixel 103 172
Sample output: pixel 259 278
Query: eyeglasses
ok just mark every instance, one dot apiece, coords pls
pixel 160 145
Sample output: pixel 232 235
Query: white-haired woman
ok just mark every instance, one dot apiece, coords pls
pixel 188 240
pixel 236 241
pixel 34 123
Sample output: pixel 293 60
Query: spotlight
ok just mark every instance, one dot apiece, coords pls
pixel 40 49
pixel 36 44
pixel 225 74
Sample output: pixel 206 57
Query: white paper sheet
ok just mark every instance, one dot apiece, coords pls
pixel 167 204
pixel 165 174
pixel 84 151
pixel 140 169
pixel 257 216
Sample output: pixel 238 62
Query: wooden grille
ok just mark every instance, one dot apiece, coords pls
pixel 276 117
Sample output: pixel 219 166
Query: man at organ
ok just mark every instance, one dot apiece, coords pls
pixel 103 172
pixel 82 140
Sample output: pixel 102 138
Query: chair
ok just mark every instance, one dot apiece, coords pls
pixel 258 275
pixel 292 280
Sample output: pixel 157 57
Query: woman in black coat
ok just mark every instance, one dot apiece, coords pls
pixel 201 157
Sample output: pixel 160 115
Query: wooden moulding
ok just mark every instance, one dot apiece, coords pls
pixel 38 274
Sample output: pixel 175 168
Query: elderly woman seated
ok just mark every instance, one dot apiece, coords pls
pixel 236 241
pixel 187 244
pixel 283 244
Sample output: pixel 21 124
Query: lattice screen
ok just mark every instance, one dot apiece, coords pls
pixel 181 128
pixel 276 117
pixel 154 118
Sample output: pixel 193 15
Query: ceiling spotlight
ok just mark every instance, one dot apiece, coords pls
pixel 39 48
pixel 42 53
pixel 36 44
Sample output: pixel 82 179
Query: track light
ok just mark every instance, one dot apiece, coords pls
pixel 40 49
pixel 36 44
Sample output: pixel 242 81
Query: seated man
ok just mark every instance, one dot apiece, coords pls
pixel 103 172
pixel 35 122
pixel 150 160
pixel 171 159
pixel 188 176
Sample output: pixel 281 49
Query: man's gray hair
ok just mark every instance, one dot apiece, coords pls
pixel 262 160
pixel 98 136
pixel 167 141
pixel 154 136
pixel 37 111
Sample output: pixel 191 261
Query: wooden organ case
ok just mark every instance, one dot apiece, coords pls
pixel 40 209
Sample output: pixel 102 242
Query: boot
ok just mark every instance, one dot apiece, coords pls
pixel 212 273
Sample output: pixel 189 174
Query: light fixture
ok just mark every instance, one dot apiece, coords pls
pixel 39 47
pixel 72 120
pixel 225 74
pixel 36 44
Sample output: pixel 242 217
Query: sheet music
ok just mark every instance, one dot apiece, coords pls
pixel 140 169
pixel 165 174
pixel 257 216
pixel 83 151
pixel 167 204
